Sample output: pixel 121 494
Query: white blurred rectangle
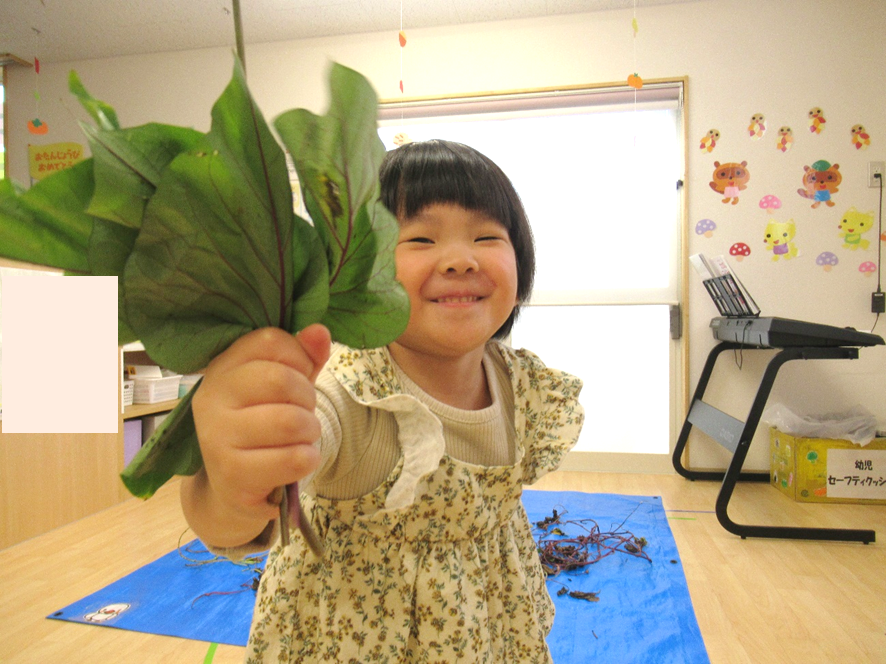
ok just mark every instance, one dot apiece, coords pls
pixel 59 364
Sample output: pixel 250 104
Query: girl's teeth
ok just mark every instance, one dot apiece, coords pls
pixel 459 300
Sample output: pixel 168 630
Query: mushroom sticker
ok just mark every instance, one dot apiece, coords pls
pixel 730 179
pixel 827 260
pixel 739 251
pixel 705 227
pixel 770 203
pixel 867 268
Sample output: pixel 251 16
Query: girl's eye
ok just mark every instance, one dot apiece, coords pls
pixel 421 240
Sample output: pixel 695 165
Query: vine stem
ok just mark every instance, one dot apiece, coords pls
pixel 291 511
pixel 238 34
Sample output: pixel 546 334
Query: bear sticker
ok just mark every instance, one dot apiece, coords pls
pixel 820 182
pixel 730 179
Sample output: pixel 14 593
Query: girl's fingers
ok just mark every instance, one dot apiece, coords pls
pixel 254 414
pixel 265 382
pixel 273 425
pixel 276 345
pixel 271 467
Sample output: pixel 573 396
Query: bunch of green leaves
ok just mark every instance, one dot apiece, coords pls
pixel 199 230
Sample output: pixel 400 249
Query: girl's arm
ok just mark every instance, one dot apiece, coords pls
pixel 254 414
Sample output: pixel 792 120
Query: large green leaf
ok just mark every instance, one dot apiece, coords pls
pixel 310 295
pixel 128 164
pixel 337 157
pixel 213 258
pixel 103 114
pixel 202 232
pixel 109 248
pixel 47 224
pixel 172 450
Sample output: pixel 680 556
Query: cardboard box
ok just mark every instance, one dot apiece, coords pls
pixel 827 470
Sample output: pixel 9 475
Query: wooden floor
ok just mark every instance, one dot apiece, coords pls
pixel 757 601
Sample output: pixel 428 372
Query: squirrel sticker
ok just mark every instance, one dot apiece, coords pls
pixel 820 182
pixel 852 225
pixel 730 179
pixel 779 238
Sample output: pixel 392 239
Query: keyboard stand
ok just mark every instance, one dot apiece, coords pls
pixel 736 436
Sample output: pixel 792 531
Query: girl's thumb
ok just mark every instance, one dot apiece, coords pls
pixel 317 342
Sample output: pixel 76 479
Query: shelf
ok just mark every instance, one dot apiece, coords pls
pixel 142 409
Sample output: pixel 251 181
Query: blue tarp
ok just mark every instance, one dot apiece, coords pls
pixel 644 613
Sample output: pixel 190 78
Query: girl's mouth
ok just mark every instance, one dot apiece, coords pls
pixel 461 299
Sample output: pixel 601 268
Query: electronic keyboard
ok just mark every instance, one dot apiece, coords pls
pixel 772 332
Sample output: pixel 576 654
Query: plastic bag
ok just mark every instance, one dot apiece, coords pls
pixel 857 424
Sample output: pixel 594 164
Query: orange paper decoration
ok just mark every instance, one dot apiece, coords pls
pixel 402 39
pixel 36 126
pixel 635 81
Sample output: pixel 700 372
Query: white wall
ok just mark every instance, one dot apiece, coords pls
pixel 741 57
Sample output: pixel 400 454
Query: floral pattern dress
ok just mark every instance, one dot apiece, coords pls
pixel 437 564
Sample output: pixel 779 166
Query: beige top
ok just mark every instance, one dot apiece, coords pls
pixel 360 445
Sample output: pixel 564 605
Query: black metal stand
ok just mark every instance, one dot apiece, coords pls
pixel 736 436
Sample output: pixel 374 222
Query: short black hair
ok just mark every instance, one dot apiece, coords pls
pixel 425 173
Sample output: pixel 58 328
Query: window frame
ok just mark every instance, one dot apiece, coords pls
pixel 667 91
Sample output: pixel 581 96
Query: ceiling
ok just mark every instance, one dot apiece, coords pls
pixel 65 30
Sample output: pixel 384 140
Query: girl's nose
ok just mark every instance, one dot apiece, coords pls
pixel 458 259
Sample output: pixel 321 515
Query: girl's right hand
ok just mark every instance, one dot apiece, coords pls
pixel 255 420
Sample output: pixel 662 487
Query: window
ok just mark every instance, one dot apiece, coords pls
pixel 2 121
pixel 597 170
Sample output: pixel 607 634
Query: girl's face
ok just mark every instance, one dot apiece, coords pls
pixel 459 269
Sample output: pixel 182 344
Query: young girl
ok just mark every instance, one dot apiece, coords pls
pixel 412 457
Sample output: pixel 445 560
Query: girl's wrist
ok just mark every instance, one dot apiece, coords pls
pixel 214 522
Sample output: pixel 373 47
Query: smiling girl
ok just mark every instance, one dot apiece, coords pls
pixel 412 458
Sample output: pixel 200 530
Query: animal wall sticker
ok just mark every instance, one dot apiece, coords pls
pixel 852 225
pixel 820 182
pixel 785 139
pixel 730 179
pixel 757 127
pixel 779 239
pixel 860 137
pixel 816 120
pixel 709 141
